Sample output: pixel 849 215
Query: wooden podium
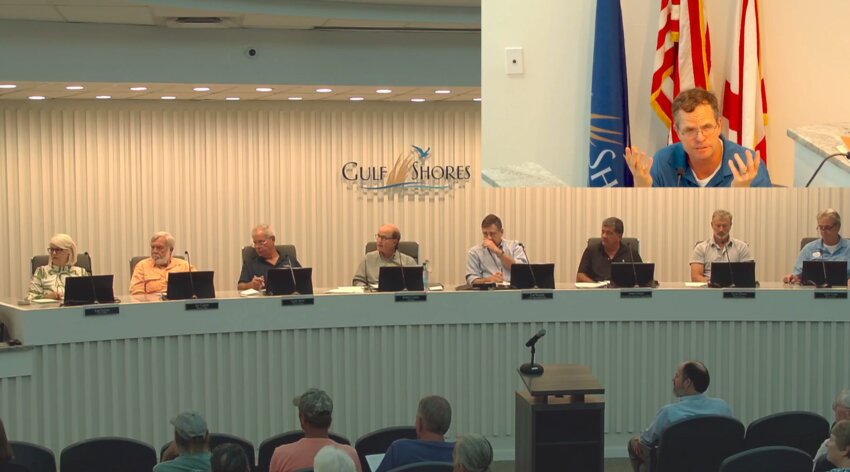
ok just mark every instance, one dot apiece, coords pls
pixel 560 421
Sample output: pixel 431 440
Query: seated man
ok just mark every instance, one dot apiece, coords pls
pixel 433 418
pixel 314 412
pixel 151 274
pixel 491 261
pixel 267 257
pixel 190 450
pixel 841 410
pixel 689 385
pixel 595 264
pixel 229 457
pixel 720 247
pixel 830 247
pixel 703 158
pixel 387 254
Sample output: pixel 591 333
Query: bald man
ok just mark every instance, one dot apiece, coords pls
pixel 387 254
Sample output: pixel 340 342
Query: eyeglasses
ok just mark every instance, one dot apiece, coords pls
pixel 260 243
pixel 55 250
pixel 381 237
pixel 824 227
pixel 704 129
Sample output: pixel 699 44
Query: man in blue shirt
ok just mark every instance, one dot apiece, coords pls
pixel 703 158
pixel 830 247
pixel 689 385
pixel 433 418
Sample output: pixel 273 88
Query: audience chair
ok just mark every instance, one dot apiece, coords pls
pixel 83 261
pixel 13 467
pixel 633 242
pixel 136 259
pixel 698 444
pixel 411 248
pixel 800 429
pixel 768 459
pixel 805 241
pixel 32 456
pixel 107 454
pixel 377 442
pixel 284 250
pixel 217 439
pixel 823 465
pixel 425 467
pixel 268 446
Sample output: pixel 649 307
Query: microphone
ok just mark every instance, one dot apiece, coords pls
pixel 530 269
pixel 191 281
pixel 680 172
pixel 632 262
pixel 401 265
pixel 531 342
pixel 731 272
pixel 292 274
pixel 825 283
pixel 843 154
pixel 91 278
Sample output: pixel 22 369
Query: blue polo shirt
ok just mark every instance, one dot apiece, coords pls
pixel 667 161
pixel 409 451
pixel 816 251
pixel 686 407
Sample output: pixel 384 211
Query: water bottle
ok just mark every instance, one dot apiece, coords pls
pixel 426 269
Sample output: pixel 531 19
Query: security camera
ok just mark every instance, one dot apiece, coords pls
pixel 251 52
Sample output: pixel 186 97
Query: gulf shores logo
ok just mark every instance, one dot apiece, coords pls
pixel 410 170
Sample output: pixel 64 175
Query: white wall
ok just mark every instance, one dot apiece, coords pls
pixel 544 114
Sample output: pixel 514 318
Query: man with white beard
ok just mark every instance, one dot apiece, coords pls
pixel 151 274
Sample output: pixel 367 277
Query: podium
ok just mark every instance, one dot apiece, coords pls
pixel 560 421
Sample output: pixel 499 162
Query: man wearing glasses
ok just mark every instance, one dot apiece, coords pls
pixel 387 254
pixel 490 262
pixel 254 270
pixel 703 158
pixel 830 247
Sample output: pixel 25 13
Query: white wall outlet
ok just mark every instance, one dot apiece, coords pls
pixel 514 63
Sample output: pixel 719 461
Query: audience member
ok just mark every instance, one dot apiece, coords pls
pixel 333 459
pixel 433 418
pixel 229 457
pixel 472 453
pixel 841 412
pixel 190 446
pixel 838 446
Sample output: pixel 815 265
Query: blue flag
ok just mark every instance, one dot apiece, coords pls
pixel 609 103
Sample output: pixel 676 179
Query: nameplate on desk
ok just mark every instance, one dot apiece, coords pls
pixel 537 295
pixel 739 294
pixel 646 293
pixel 101 310
pixel 831 295
pixel 202 306
pixel 411 297
pixel 297 301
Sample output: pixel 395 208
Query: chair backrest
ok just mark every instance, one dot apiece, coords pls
pixel 823 465
pixel 411 248
pixel 217 439
pixel 268 446
pixel 107 454
pixel 377 442
pixel 305 469
pixel 83 260
pixel 136 259
pixel 768 459
pixel 633 242
pixel 699 444
pixel 425 467
pixel 248 252
pixel 34 457
pixel 805 241
pixel 13 467
pixel 803 430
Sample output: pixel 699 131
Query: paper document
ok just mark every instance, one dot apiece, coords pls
pixel 696 284
pixel 592 284
pixel 374 460
pixel 346 290
pixel 44 301
pixel 248 293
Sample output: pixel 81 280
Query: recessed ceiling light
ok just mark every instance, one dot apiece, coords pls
pixel 74 87
pixel 417 100
pixel 264 89
pixel 383 91
pixel 7 86
pixel 103 97
pixel 356 99
pixel 476 99
pixel 138 89
pixel 324 90
pixel 201 89
pixel 442 92
pixel 232 99
pixel 36 97
pixel 295 99
pixel 168 97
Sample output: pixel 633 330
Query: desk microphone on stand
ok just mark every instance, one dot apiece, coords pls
pixel 292 274
pixel 191 281
pixel 530 268
pixel 91 278
pixel 401 266
pixel 533 368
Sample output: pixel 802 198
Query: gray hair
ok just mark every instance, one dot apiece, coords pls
pixel 843 398
pixel 169 239
pixel 615 223
pixel 436 414
pixel 832 214
pixel 65 242
pixel 267 230
pixel 333 459
pixel 721 214
pixel 474 453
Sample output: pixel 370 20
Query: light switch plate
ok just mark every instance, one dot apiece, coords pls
pixel 514 63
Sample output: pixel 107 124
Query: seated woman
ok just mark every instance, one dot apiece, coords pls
pixel 48 281
pixel 838 446
pixel 472 453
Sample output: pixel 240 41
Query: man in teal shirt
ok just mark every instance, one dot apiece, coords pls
pixel 190 450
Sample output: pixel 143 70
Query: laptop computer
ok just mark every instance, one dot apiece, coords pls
pixel 188 285
pixel 624 274
pixel 824 273
pixel 733 274
pixel 287 281
pixel 86 290
pixel 524 276
pixel 390 279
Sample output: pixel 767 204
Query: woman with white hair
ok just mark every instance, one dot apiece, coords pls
pixel 473 453
pixel 333 459
pixel 48 281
